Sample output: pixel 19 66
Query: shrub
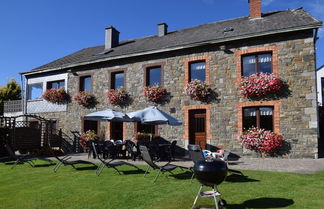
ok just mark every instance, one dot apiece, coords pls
pixel 197 90
pixel 86 136
pixel 56 95
pixel 260 85
pixel 261 141
pixel 85 99
pixel 155 93
pixel 118 96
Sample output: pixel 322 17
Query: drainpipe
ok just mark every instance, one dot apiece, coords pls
pixel 315 63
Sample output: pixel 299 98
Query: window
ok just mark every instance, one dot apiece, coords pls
pixel 56 84
pixel 153 76
pixel 86 83
pixel 35 91
pixel 91 125
pixel 197 70
pixel 117 80
pixel 259 63
pixel 322 86
pixel 260 117
pixel 146 128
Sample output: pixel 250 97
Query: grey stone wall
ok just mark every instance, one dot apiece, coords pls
pixel 298 121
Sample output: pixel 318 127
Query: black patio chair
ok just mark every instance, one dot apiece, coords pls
pixel 109 150
pixel 168 167
pixel 132 151
pixel 25 158
pixel 171 150
pixel 110 163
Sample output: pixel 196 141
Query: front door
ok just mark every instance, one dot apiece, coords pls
pixel 116 130
pixel 197 127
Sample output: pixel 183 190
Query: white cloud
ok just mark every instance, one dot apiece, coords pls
pixel 267 2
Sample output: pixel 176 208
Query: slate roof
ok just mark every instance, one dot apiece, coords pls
pixel 239 28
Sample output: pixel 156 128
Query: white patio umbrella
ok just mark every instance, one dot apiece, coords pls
pixel 108 114
pixel 152 115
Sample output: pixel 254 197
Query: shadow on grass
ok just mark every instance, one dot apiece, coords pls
pixel 130 172
pixel 235 178
pixel 183 175
pixel 263 202
pixel 94 167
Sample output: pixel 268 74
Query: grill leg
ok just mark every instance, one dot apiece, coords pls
pixel 214 195
pixel 197 197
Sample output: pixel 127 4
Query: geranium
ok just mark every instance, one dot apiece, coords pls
pixel 155 93
pixel 261 140
pixel 259 85
pixel 56 95
pixel 197 90
pixel 85 99
pixel 117 97
pixel 86 136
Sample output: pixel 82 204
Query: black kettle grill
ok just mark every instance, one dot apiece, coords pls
pixel 210 173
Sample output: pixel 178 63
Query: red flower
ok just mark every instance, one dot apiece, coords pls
pixel 56 95
pixel 260 85
pixel 155 93
pixel 117 97
pixel 261 140
pixel 85 99
pixel 197 90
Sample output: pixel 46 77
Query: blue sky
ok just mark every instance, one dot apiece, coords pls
pixel 35 32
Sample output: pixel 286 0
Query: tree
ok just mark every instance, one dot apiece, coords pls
pixel 12 91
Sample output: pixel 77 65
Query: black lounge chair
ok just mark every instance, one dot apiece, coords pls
pixel 25 158
pixel 110 164
pixel 168 167
pixel 67 162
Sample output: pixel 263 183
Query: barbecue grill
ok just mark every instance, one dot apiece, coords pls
pixel 211 173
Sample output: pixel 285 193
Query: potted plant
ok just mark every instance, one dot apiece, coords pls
pixel 261 141
pixel 197 90
pixel 56 96
pixel 86 136
pixel 85 99
pixel 259 85
pixel 118 96
pixel 155 93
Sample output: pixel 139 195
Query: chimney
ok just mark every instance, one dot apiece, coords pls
pixel 162 29
pixel 255 8
pixel 112 37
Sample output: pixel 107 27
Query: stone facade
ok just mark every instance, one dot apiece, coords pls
pixel 295 114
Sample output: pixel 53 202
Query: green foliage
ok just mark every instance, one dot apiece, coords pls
pixel 11 91
pixel 40 188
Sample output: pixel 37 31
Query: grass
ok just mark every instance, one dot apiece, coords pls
pixel 40 188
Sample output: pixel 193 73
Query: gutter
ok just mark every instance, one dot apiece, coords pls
pixel 215 41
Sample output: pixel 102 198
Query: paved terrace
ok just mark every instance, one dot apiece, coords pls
pixel 305 166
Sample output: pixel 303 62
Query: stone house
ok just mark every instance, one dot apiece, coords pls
pixel 218 53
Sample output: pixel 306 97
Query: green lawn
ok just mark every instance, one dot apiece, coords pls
pixel 39 188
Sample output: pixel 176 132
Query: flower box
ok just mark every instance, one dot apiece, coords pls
pixel 117 97
pixel 260 85
pixel 57 96
pixel 155 93
pixel 197 90
pixel 85 99
pixel 261 141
